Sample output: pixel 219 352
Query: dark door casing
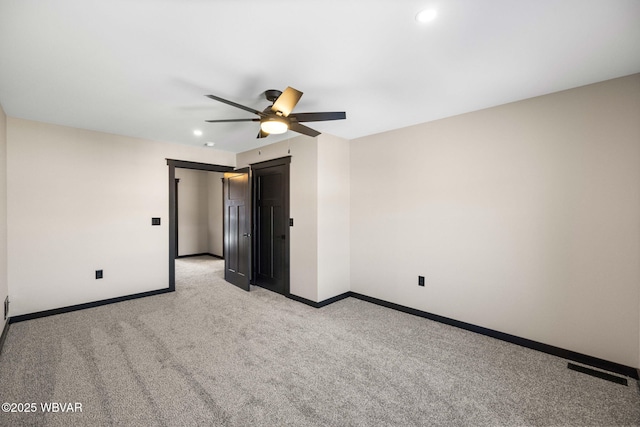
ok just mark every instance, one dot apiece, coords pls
pixel 271 221
pixel 237 228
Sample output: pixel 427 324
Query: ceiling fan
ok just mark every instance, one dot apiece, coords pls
pixel 277 118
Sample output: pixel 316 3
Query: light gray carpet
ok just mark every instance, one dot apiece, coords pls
pixel 212 354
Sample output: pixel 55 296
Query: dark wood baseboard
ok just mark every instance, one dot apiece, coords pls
pixel 321 303
pixel 45 313
pixel 5 331
pixel 201 254
pixel 598 374
pixel 524 342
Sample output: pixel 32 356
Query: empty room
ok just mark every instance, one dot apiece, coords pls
pixel 362 213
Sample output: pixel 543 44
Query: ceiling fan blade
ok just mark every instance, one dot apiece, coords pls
pixel 232 120
pixel 305 130
pixel 287 101
pixel 319 117
pixel 262 134
pixel 233 104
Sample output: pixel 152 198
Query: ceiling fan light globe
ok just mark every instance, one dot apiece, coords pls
pixel 274 126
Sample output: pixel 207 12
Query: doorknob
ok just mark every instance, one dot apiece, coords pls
pixel 246 235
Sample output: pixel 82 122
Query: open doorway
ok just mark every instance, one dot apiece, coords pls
pixel 199 213
pixel 199 230
pixel 189 242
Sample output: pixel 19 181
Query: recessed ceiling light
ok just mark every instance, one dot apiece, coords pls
pixel 426 15
pixel 209 144
pixel 197 132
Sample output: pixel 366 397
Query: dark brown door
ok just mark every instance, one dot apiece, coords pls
pixel 271 255
pixel 237 228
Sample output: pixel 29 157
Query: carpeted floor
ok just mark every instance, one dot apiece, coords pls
pixel 212 354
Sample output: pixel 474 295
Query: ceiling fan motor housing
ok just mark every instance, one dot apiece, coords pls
pixel 272 94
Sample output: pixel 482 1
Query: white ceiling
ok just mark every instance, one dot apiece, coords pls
pixel 142 67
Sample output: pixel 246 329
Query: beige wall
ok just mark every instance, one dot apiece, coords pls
pixel 79 201
pixel 193 210
pixel 333 216
pixel 199 212
pixel 4 284
pixel 215 228
pixel 524 218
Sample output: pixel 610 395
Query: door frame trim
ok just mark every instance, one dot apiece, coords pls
pixel 173 222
